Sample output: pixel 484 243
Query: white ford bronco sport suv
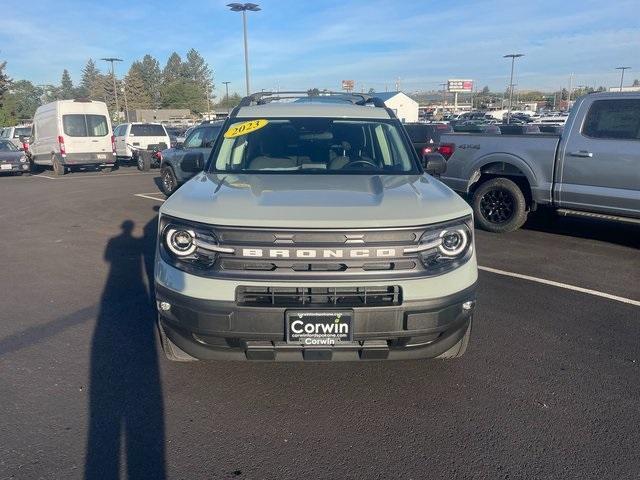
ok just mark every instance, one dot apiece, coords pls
pixel 314 233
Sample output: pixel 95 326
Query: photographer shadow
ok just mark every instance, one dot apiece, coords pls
pixel 126 412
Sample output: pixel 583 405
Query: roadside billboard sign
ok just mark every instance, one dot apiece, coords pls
pixel 457 85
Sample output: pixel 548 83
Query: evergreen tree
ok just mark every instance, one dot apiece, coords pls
pixel 137 95
pixel 66 86
pixel 5 81
pixel 183 93
pixel 196 69
pixel 152 77
pixel 90 80
pixel 173 70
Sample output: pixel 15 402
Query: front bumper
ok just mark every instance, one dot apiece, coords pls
pixel 224 330
pixel 14 167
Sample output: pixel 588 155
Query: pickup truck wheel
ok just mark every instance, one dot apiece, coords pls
pixel 144 161
pixel 459 348
pixel 499 206
pixel 168 182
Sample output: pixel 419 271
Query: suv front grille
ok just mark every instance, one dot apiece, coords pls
pixel 319 296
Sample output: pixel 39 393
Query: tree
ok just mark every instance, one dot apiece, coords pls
pixel 173 70
pixel 636 83
pixel 66 86
pixel 183 93
pixel 234 100
pixel 5 81
pixel 152 77
pixel 137 95
pixel 485 90
pixel 372 91
pixel 90 80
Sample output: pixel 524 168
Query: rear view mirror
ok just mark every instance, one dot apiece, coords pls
pixel 192 163
pixel 434 163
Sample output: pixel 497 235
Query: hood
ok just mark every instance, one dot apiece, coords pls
pixel 11 157
pixel 315 201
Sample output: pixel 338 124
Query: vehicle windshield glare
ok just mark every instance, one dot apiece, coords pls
pixel 314 145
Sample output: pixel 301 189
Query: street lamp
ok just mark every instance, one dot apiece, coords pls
pixel 226 86
pixel 513 57
pixel 622 74
pixel 112 60
pixel 244 7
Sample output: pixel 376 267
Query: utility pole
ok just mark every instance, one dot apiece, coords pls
pixel 622 69
pixel 226 86
pixel 513 57
pixel 244 7
pixel 126 106
pixel 112 60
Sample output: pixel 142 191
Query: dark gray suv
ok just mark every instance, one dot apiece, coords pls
pixel 197 146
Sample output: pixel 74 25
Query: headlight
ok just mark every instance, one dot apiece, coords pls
pixel 23 159
pixel 445 247
pixel 188 246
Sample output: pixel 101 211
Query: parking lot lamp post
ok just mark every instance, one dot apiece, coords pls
pixel 244 7
pixel 622 69
pixel 226 86
pixel 513 57
pixel 112 60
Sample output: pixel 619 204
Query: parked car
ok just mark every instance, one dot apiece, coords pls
pixel 518 129
pixel 18 135
pixel 592 170
pixel 198 144
pixel 176 135
pixel 131 138
pixel 12 159
pixel 72 133
pixel 426 136
pixel 314 234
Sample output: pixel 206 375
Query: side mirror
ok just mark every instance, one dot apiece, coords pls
pixel 434 163
pixel 192 163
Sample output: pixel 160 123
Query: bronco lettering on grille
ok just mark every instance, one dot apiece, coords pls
pixel 320 253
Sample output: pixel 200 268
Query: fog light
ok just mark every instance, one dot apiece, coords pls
pixel 468 305
pixel 165 306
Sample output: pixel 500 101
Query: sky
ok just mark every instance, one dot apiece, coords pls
pixel 301 44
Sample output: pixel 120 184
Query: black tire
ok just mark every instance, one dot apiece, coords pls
pixel 143 161
pixel 168 180
pixel 499 206
pixel 58 168
pixel 459 348
pixel 171 350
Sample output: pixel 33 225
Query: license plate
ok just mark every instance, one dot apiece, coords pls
pixel 5 166
pixel 319 328
pixel 101 156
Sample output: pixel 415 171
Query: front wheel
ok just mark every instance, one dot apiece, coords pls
pixel 499 206
pixel 168 181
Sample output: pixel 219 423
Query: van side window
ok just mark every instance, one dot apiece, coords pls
pixel 615 119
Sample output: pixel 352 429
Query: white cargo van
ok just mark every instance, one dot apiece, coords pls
pixel 132 137
pixel 69 133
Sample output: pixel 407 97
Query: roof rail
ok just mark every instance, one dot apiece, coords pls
pixel 260 98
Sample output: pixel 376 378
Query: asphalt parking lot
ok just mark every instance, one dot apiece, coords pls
pixel 549 388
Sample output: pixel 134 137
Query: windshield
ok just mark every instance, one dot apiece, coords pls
pixel 7 146
pixel 147 130
pixel 314 145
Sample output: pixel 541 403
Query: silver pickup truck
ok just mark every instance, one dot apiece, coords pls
pixel 592 169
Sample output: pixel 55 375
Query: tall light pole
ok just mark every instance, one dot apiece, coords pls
pixel 622 74
pixel 112 60
pixel 226 86
pixel 244 7
pixel 513 57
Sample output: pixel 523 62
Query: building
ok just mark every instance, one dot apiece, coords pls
pixel 405 108
pixel 625 89
pixel 162 115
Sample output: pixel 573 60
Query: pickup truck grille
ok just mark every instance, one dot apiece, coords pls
pixel 319 296
pixel 316 254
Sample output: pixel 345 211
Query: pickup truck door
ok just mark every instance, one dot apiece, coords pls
pixel 600 163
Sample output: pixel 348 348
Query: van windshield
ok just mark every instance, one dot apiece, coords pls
pixel 147 130
pixel 314 146
pixel 85 125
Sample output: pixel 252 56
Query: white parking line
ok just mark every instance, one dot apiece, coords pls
pixel 575 288
pixel 148 195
